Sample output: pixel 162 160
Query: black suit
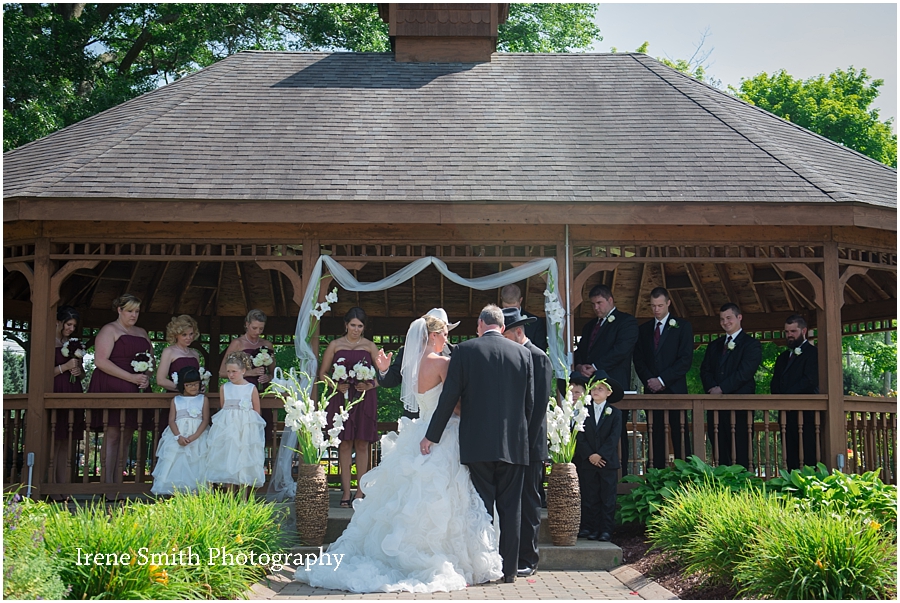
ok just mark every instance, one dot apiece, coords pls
pixel 598 485
pixel 734 372
pixel 669 361
pixel 799 375
pixel 536 331
pixel 493 379
pixel 612 352
pixel 537 454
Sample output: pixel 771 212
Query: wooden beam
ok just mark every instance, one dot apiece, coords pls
pixel 284 268
pixel 875 286
pixel 582 277
pixel 40 378
pixel 245 290
pixel 830 357
pixel 730 293
pixel 699 290
pixel 637 296
pixel 26 271
pixel 808 274
pixel 150 293
pixel 796 290
pixel 183 286
pixel 850 271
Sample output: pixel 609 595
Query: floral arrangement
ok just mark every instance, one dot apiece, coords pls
pixel 797 351
pixel 263 358
pixel 730 345
pixel 554 310
pixel 565 417
pixel 610 317
pixel 76 349
pixel 307 417
pixel 362 372
pixel 204 379
pixel 320 310
pixel 143 362
pixel 673 323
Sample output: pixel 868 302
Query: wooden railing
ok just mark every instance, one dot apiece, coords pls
pixel 871 436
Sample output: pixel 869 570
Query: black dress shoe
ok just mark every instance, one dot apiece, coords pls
pixel 524 572
pixel 509 579
pixel 594 536
pixel 584 533
pixel 605 537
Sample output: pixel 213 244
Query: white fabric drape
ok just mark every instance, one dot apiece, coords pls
pixel 282 484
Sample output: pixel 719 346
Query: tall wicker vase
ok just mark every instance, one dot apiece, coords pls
pixel 312 504
pixel 563 504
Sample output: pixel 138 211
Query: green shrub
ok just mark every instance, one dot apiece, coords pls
pixel 842 494
pixel 657 486
pixel 179 527
pixel 29 569
pixel 677 521
pixel 730 524
pixel 816 555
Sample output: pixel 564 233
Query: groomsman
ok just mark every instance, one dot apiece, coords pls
pixel 662 359
pixel 535 330
pixel 797 372
pixel 607 344
pixel 729 367
pixel 514 330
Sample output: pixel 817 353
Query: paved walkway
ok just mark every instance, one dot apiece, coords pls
pixel 620 584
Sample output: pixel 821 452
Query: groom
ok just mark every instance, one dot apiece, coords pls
pixel 492 377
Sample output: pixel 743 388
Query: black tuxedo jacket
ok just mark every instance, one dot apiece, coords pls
pixel 734 370
pixel 493 379
pixel 536 331
pixel 537 424
pixel 393 376
pixel 801 377
pixel 614 346
pixel 602 439
pixel 671 360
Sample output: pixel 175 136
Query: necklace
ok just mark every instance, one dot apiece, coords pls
pixel 351 341
pixel 252 342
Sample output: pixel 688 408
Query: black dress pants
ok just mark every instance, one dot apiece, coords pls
pixel 531 514
pixel 501 483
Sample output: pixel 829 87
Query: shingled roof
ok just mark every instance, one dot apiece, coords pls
pixel 525 127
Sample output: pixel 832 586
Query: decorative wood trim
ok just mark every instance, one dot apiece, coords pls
pixel 850 271
pixel 63 273
pixel 807 273
pixel 26 271
pixel 285 269
pixel 582 277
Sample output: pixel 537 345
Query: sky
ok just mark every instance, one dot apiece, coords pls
pixel 806 39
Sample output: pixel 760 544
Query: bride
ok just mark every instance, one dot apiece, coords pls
pixel 422 526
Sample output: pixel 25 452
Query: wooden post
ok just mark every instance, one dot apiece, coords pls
pixel 832 381
pixel 40 377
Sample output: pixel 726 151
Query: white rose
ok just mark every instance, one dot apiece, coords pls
pixel 610 318
pixel 672 323
pixel 797 351
pixel 730 345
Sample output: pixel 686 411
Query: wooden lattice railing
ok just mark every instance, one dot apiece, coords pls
pixel 871 436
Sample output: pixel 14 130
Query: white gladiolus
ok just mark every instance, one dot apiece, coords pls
pixel 564 419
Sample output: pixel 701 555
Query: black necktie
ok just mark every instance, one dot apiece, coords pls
pixel 725 347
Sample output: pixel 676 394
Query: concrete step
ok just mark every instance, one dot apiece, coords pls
pixel 586 555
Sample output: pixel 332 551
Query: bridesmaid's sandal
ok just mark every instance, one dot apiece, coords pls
pixel 345 504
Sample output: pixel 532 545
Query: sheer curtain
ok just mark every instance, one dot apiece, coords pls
pixel 282 485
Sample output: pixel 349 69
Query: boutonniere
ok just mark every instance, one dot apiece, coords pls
pixel 607 411
pixel 610 318
pixel 797 351
pixel 673 323
pixel 730 345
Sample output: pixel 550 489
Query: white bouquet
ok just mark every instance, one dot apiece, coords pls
pixel 262 358
pixel 142 363
pixel 362 372
pixel 204 378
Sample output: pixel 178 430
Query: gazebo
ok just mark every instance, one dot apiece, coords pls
pixel 218 193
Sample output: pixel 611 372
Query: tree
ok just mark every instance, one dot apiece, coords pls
pixel 66 62
pixel 837 107
pixel 696 66
pixel 13 372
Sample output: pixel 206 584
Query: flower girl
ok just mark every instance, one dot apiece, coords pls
pixel 237 436
pixel 182 447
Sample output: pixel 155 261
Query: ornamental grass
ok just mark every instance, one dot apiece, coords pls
pixel 816 555
pixel 168 546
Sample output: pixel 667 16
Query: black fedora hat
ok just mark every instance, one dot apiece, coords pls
pixel 512 317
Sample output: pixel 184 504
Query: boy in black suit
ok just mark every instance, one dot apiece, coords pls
pixel 597 458
pixel 729 367
pixel 797 372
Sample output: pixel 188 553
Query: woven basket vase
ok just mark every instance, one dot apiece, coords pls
pixel 312 504
pixel 563 504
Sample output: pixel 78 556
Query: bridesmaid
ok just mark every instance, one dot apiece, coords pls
pixel 251 342
pixel 361 428
pixel 115 347
pixel 64 369
pixel 180 333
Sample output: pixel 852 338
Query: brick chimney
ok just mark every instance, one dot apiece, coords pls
pixel 443 33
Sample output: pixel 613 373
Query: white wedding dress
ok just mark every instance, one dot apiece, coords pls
pixel 421 527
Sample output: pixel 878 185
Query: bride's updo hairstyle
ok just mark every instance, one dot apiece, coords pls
pixel 434 324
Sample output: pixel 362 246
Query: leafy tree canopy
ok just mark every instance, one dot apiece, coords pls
pixel 65 62
pixel 837 106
